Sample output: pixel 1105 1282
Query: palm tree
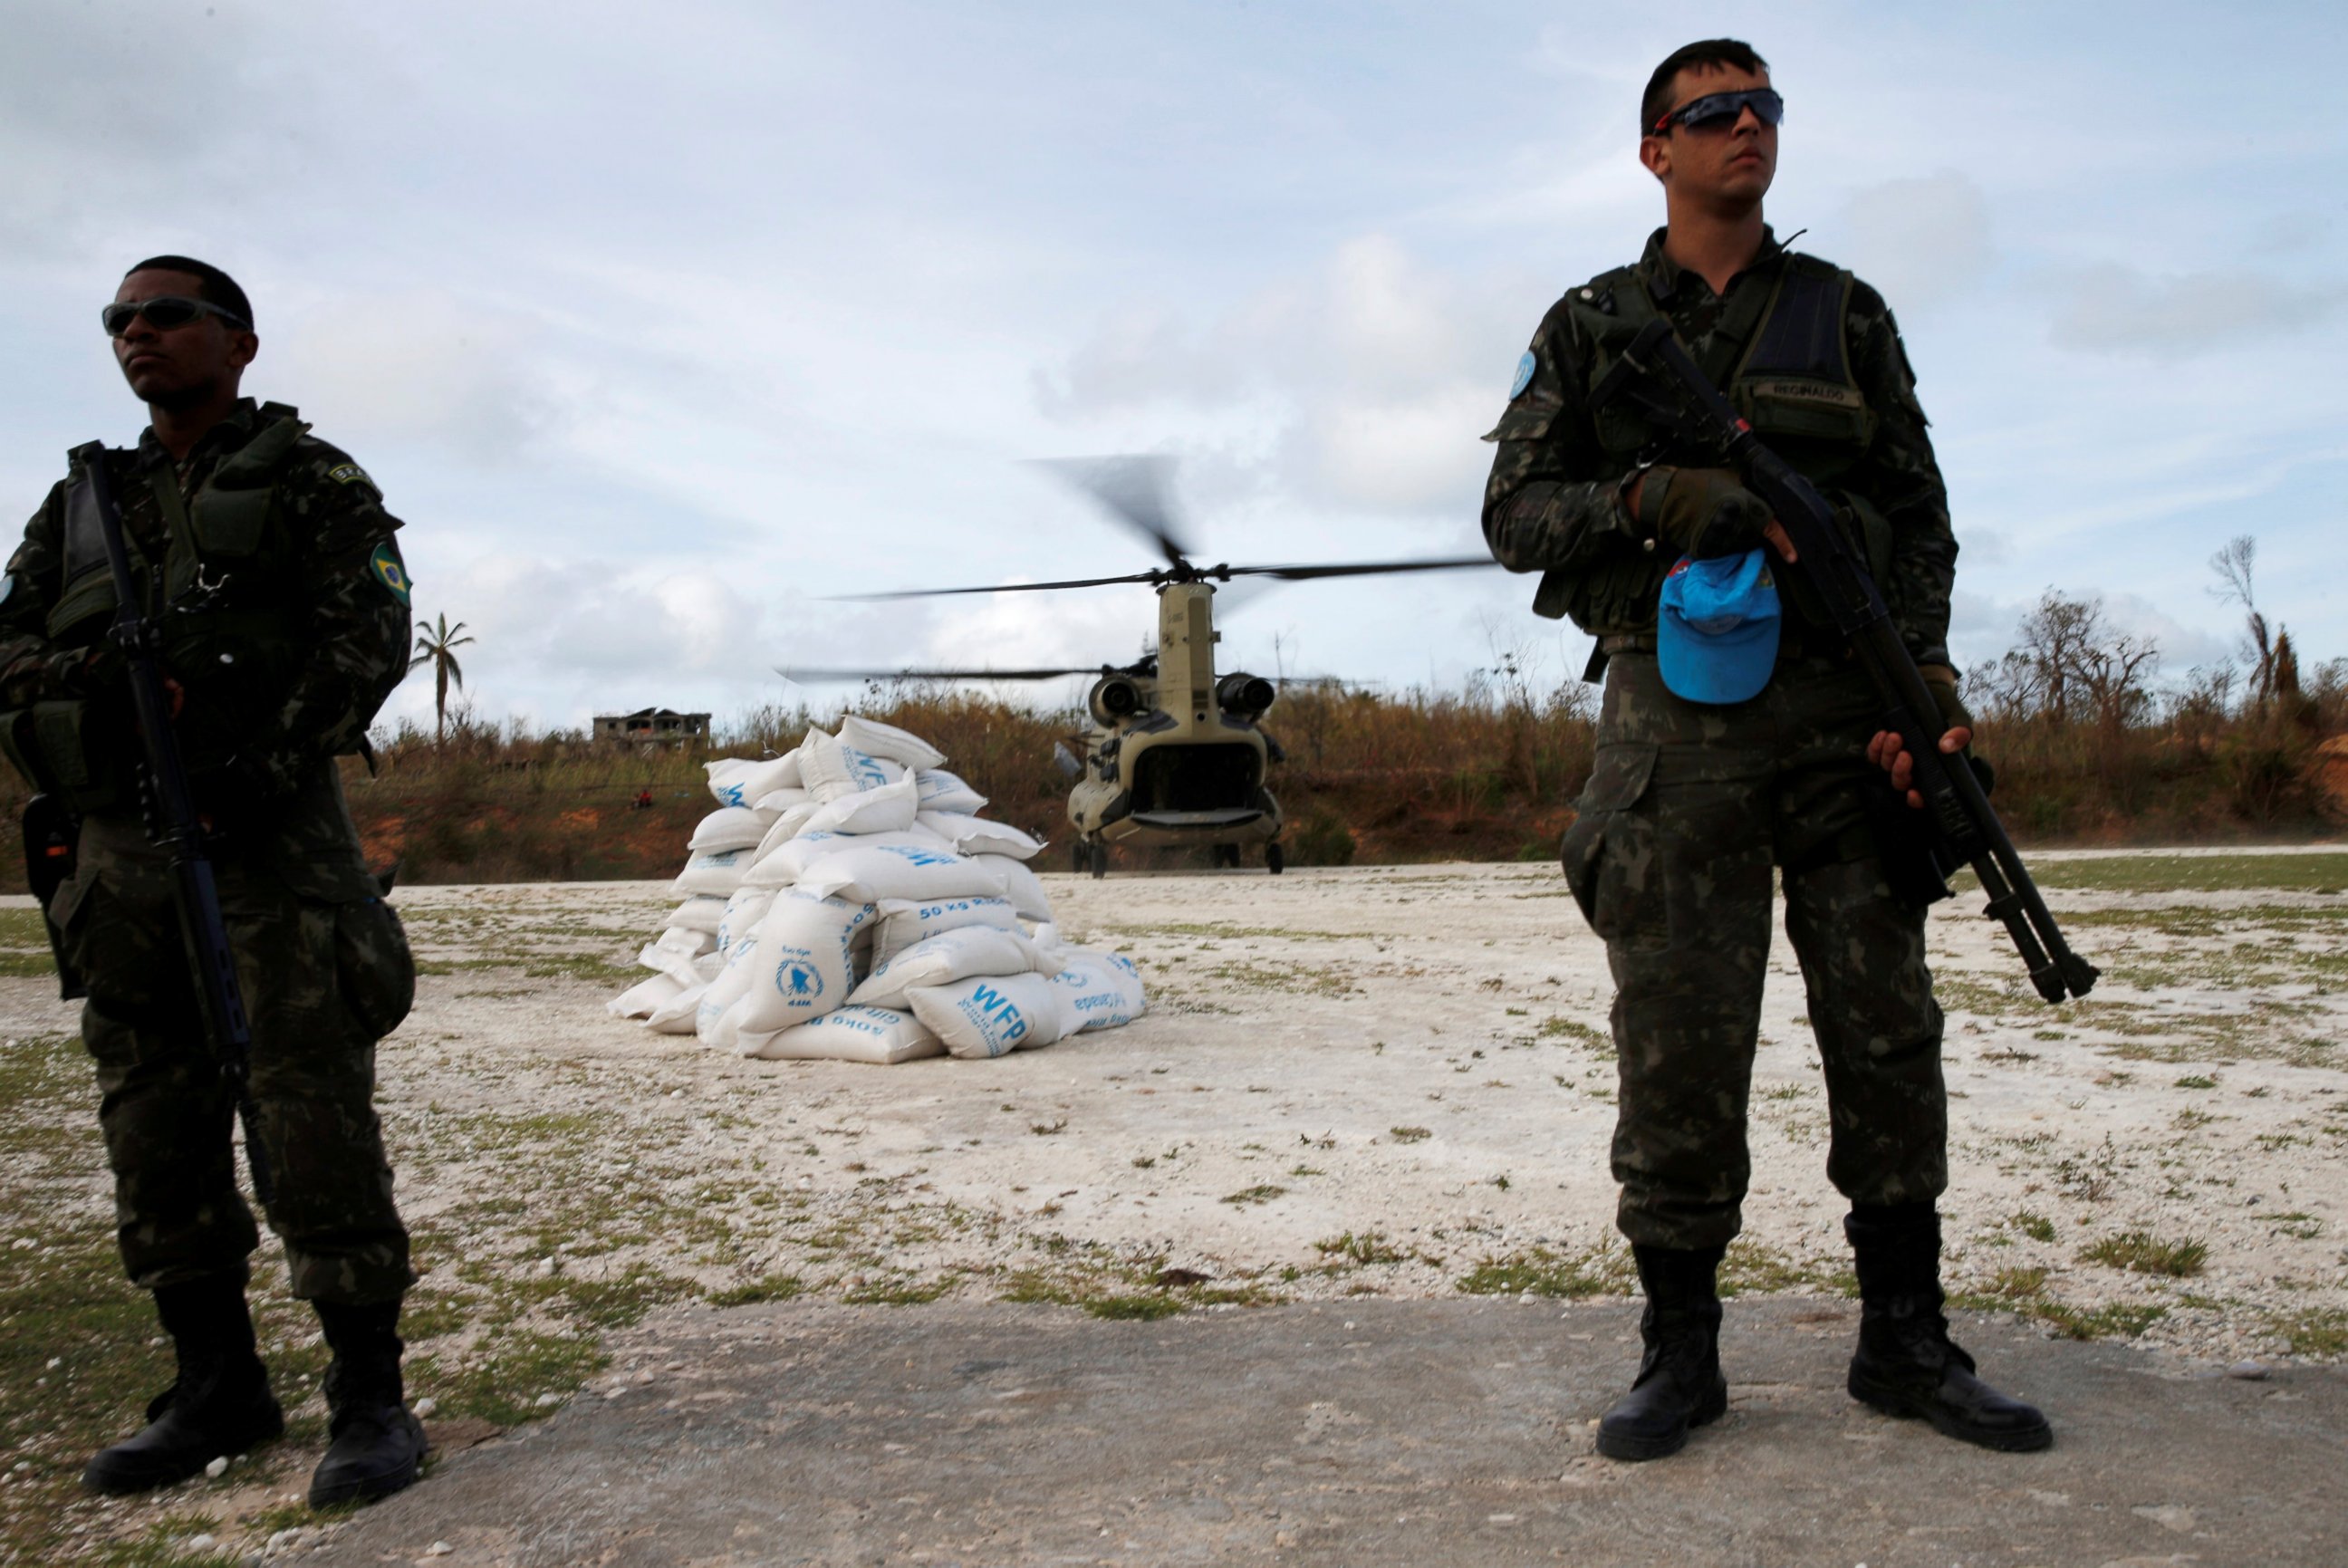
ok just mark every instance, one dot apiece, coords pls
pixel 434 646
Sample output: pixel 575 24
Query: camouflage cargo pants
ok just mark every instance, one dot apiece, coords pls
pixel 1688 808
pixel 322 981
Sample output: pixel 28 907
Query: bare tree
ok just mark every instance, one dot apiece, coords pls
pixel 2073 666
pixel 2234 566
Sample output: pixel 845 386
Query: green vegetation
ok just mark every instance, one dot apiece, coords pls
pixel 1409 1134
pixel 1603 1270
pixel 1261 1194
pixel 1368 1247
pixel 2139 1251
pixel 2035 1225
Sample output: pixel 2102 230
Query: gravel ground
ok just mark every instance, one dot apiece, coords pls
pixel 1369 1081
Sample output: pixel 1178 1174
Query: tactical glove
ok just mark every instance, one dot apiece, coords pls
pixel 1703 512
pixel 1942 682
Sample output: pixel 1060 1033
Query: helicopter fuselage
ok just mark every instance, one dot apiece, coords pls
pixel 1180 766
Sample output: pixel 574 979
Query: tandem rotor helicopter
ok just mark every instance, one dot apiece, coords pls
pixel 1176 755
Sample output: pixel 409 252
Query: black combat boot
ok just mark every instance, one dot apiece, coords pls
pixel 378 1447
pixel 1679 1384
pixel 219 1405
pixel 1907 1366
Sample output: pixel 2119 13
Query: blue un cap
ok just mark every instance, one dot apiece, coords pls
pixel 1716 628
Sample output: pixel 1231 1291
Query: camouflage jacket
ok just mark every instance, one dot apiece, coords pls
pixel 328 592
pixel 1555 502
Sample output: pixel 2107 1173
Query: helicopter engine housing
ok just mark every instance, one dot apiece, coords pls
pixel 1114 697
pixel 1243 693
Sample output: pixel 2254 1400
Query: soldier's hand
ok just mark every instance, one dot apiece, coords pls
pixel 1889 752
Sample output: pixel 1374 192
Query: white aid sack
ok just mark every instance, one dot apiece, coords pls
pixel 990 1016
pixel 729 828
pixel 805 964
pixel 730 986
pixel 674 1017
pixel 709 966
pixel 890 809
pixel 902 870
pixel 717 872
pixel 976 836
pixel 774 801
pixel 944 791
pixel 786 864
pixel 1019 885
pixel 904 920
pixel 788 825
pixel 875 738
pixel 642 1000
pixel 1095 990
pixel 664 958
pixel 831 769
pixel 743 913
pixel 740 781
pixel 874 1035
pixel 697 914
pixel 949 956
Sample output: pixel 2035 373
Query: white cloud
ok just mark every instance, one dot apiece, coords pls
pixel 2117 309
pixel 1919 241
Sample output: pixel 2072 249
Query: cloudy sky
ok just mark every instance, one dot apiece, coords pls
pixel 657 323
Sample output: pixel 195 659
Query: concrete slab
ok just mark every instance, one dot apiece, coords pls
pixel 1371 1433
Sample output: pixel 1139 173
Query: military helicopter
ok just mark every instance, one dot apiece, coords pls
pixel 1176 754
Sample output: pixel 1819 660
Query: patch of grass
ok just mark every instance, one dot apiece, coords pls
pixel 2035 1225
pixel 1366 1247
pixel 773 1288
pixel 1263 1192
pixel 1606 1270
pixel 1597 1041
pixel 2123 1320
pixel 2322 1331
pixel 2140 1252
pixel 1409 1134
pixel 2196 1080
pixel 1750 1269
pixel 897 1290
pixel 2141 873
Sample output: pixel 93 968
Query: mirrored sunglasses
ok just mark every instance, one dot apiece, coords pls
pixel 1718 111
pixel 164 312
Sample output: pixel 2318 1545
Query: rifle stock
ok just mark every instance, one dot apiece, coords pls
pixel 1964 825
pixel 176 829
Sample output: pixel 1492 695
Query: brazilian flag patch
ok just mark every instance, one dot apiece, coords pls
pixel 390 571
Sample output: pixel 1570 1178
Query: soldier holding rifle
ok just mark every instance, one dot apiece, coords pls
pixel 203 879
pixel 1744 728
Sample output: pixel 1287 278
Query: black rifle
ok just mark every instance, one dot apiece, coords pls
pixel 176 827
pixel 1962 825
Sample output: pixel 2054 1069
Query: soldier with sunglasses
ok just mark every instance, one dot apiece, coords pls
pixel 1697 794
pixel 269 564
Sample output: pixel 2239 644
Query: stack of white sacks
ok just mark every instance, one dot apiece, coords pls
pixel 846 902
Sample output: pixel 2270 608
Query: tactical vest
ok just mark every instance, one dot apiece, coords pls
pixel 1783 358
pixel 226 607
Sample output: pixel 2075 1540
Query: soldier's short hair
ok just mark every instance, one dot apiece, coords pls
pixel 214 286
pixel 1657 100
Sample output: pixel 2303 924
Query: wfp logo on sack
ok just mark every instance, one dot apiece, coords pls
pixel 731 795
pixel 867 772
pixel 798 979
pixel 998 1014
pixel 914 855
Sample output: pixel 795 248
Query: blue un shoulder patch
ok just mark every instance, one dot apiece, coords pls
pixel 1524 376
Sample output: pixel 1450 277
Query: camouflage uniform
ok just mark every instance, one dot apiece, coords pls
pixel 1690 805
pixel 285 644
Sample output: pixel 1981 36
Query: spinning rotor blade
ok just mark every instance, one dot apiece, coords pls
pixel 1359 568
pixel 811 676
pixel 1001 588
pixel 1133 490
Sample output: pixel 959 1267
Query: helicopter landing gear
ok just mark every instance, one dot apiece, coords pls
pixel 1080 858
pixel 1099 860
pixel 1275 859
pixel 1227 857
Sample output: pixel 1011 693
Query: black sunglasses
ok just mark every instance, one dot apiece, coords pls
pixel 1718 111
pixel 164 312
